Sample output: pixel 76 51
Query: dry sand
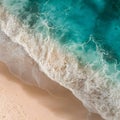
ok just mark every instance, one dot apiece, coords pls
pixel 22 102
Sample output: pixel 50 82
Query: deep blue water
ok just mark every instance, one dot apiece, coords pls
pixel 89 29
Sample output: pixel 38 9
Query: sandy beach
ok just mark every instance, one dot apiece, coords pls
pixel 22 102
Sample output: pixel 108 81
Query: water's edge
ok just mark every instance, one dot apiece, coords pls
pixel 92 89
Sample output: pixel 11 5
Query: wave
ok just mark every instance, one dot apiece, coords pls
pixel 24 67
pixel 97 90
pixel 85 37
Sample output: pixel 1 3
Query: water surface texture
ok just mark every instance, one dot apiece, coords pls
pixel 89 29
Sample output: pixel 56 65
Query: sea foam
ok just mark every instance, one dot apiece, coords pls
pixel 95 86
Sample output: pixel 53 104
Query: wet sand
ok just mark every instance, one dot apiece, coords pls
pixel 22 102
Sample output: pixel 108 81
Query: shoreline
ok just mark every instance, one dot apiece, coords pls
pixel 22 102
pixel 85 85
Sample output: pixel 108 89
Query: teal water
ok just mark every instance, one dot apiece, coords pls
pixel 89 29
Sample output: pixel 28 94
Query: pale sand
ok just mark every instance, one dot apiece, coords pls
pixel 22 102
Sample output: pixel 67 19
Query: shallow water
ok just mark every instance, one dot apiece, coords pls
pixel 89 30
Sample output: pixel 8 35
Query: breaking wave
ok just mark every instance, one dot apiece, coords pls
pixel 81 28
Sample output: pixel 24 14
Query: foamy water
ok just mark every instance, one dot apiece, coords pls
pixel 71 48
pixel 82 28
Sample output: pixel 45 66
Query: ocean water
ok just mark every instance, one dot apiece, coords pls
pixel 88 29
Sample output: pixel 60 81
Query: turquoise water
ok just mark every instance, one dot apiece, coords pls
pixel 89 29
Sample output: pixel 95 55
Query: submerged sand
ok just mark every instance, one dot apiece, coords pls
pixel 22 102
pixel 19 101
